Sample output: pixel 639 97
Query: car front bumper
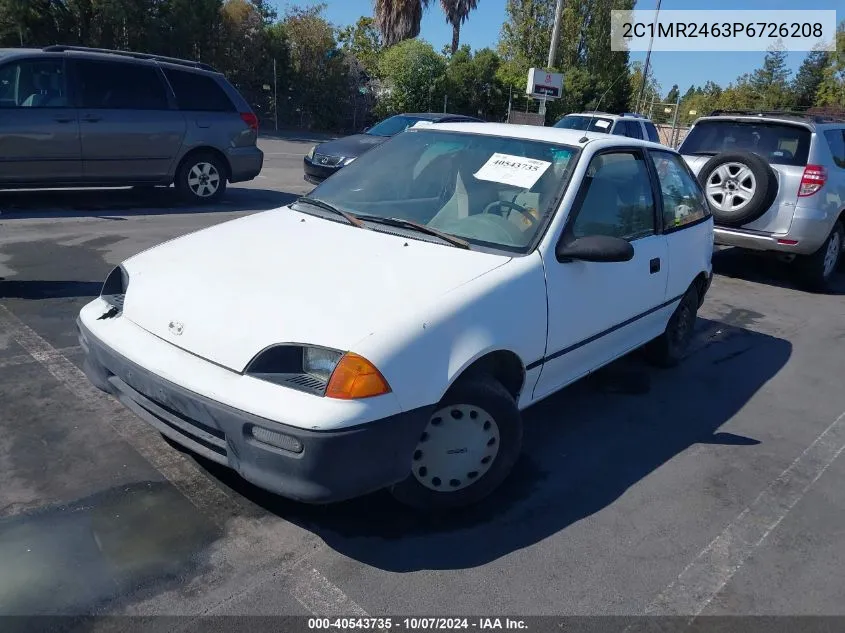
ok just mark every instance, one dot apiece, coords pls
pixel 316 173
pixel 316 466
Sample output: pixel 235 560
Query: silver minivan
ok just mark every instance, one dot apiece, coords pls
pixel 775 181
pixel 74 116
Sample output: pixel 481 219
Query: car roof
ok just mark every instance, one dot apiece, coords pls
pixel 573 138
pixel 111 55
pixel 607 115
pixel 808 121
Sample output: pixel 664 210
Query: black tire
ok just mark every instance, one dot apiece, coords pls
pixel 186 184
pixel 668 349
pixel 815 273
pixel 489 395
pixel 764 194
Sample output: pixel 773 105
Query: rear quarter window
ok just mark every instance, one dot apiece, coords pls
pixel 778 143
pixel 836 141
pixel 653 136
pixel 198 92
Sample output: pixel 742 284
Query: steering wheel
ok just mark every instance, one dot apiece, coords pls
pixel 511 205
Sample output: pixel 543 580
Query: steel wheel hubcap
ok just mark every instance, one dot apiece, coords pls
pixel 831 256
pixel 204 179
pixel 730 187
pixel 458 446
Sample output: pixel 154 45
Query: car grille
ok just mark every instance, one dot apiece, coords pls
pixel 328 161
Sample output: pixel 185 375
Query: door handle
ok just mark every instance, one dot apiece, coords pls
pixel 62 119
pixel 654 265
pixel 92 119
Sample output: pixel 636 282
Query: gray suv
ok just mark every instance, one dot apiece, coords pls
pixel 775 181
pixel 73 116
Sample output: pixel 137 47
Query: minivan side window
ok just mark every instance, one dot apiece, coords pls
pixel 836 141
pixel 683 200
pixel 198 92
pixel 119 86
pixel 33 84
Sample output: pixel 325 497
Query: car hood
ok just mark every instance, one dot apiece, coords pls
pixel 282 276
pixel 350 146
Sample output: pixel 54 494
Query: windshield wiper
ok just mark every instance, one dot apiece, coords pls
pixel 327 207
pixel 422 228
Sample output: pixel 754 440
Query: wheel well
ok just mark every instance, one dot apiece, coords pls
pixel 841 217
pixel 207 150
pixel 503 365
pixel 700 284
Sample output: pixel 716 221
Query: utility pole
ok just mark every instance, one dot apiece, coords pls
pixel 675 121
pixel 275 97
pixel 555 35
pixel 647 61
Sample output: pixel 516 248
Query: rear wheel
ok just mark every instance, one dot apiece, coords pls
pixel 201 178
pixel 818 269
pixel 468 448
pixel 740 187
pixel 668 349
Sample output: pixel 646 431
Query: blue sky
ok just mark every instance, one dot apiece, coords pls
pixel 686 68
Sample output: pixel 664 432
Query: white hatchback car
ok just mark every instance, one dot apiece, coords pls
pixel 386 330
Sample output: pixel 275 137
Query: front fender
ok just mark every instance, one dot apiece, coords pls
pixel 422 355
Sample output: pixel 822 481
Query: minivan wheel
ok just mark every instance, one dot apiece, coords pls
pixel 468 448
pixel 201 178
pixel 668 349
pixel 818 269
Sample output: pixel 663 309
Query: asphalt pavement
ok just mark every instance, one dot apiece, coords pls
pixel 711 488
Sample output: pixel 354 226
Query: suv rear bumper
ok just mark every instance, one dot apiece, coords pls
pixel 805 236
pixel 245 163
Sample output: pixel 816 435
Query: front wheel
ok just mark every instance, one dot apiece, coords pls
pixel 668 349
pixel 201 178
pixel 468 448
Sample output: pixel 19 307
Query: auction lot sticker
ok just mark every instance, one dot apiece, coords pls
pixel 516 171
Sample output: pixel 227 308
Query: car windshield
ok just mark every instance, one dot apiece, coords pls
pixel 778 143
pixel 487 190
pixel 393 125
pixel 580 122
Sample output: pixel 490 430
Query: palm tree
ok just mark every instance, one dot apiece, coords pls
pixel 399 19
pixel 457 12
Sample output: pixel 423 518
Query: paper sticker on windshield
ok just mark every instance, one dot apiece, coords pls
pixel 602 124
pixel 516 171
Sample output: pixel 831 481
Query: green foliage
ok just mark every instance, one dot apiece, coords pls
pixel 414 78
pixel 364 42
pixel 831 90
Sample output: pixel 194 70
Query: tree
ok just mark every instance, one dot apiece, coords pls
pixel 364 42
pixel 399 20
pixel 457 12
pixel 526 33
pixel 673 94
pixel 413 75
pixel 809 78
pixel 831 91
pixel 770 83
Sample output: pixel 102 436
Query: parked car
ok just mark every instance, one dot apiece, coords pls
pixel 775 182
pixel 325 159
pixel 74 116
pixel 625 124
pixel 387 330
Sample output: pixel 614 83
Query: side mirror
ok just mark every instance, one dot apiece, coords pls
pixel 595 248
pixel 365 130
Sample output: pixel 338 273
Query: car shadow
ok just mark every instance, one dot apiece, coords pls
pixel 37 289
pixel 113 203
pixel 583 449
pixel 764 268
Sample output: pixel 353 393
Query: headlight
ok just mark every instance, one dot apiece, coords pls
pixel 114 288
pixel 310 154
pixel 346 161
pixel 318 370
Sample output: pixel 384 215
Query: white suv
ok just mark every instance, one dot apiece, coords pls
pixel 387 330
pixel 625 124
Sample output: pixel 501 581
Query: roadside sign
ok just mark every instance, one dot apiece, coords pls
pixel 543 84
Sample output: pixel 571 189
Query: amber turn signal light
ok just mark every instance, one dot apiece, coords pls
pixel 355 377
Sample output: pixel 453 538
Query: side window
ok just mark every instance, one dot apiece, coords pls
pixel 198 92
pixel 836 141
pixel 120 86
pixel 651 130
pixel 634 129
pixel 616 198
pixel 33 84
pixel 621 128
pixel 683 201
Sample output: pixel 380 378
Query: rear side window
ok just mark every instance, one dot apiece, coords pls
pixel 836 141
pixel 778 143
pixel 33 84
pixel 653 136
pixel 120 86
pixel 198 92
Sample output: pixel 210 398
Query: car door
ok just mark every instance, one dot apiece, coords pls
pixel 600 310
pixel 130 128
pixel 39 127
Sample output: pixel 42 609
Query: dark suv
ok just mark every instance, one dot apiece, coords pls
pixel 73 116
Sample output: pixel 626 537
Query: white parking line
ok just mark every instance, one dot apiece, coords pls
pixel 705 577
pixel 317 594
pixel 176 468
pixel 26 359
